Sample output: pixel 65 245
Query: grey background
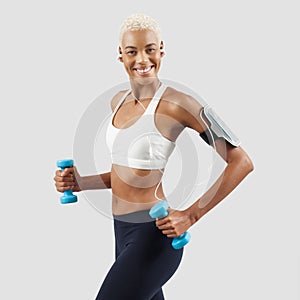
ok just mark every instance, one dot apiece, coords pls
pixel 58 56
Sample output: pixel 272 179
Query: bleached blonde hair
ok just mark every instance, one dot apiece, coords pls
pixel 139 21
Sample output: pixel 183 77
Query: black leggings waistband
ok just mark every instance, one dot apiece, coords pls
pixel 140 216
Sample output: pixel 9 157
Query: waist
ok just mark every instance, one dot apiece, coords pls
pixel 134 189
pixel 141 216
pixel 130 204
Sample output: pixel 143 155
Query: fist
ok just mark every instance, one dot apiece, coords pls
pixel 67 180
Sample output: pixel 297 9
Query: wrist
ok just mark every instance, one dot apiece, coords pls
pixel 81 183
pixel 194 213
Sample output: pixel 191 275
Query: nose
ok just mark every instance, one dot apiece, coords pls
pixel 142 57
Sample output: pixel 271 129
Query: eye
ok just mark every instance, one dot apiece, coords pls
pixel 151 50
pixel 131 52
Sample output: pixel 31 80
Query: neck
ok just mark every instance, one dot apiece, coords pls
pixel 142 89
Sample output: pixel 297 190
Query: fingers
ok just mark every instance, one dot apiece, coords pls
pixel 169 230
pixel 170 234
pixel 67 171
pixel 167 227
pixel 163 221
pixel 63 186
pixel 65 180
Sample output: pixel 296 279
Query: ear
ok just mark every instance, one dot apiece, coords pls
pixel 120 55
pixel 162 52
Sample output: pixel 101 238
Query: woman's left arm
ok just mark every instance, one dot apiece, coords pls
pixel 239 165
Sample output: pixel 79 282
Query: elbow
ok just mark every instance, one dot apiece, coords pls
pixel 242 161
pixel 246 164
pixel 250 166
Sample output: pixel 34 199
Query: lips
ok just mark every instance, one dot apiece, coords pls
pixel 143 71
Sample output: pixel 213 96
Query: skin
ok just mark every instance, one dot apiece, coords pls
pixel 133 189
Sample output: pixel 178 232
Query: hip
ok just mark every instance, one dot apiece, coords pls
pixel 137 231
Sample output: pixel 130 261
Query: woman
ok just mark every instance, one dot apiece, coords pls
pixel 141 135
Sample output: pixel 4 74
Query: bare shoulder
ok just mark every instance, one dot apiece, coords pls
pixel 180 100
pixel 116 98
pixel 182 107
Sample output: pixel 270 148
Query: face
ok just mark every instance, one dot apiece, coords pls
pixel 141 53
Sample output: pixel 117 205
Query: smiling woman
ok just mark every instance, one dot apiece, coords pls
pixel 145 123
pixel 141 52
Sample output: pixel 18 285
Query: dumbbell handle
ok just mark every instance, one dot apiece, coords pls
pixel 68 196
pixel 160 210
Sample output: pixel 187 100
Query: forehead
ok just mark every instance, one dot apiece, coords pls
pixel 139 38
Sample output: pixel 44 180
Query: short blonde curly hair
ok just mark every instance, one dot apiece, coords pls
pixel 139 21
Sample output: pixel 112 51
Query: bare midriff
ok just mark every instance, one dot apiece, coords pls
pixel 134 189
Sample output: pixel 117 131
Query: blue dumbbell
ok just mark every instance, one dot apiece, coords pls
pixel 68 196
pixel 160 210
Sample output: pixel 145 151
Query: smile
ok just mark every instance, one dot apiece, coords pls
pixel 144 71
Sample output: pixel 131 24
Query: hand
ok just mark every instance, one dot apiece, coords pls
pixel 67 180
pixel 175 224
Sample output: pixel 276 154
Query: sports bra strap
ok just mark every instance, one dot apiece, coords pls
pixel 154 102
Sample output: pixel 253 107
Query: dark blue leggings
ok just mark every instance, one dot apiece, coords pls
pixel 145 260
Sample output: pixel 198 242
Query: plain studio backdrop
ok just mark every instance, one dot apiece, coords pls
pixel 57 57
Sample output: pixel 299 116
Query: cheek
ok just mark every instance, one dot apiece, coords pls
pixel 158 62
pixel 158 58
pixel 128 63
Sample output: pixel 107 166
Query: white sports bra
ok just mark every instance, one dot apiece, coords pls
pixel 140 145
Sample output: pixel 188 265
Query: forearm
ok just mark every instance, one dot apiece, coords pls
pixel 95 182
pixel 232 175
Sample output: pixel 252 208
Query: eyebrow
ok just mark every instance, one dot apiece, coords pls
pixel 148 45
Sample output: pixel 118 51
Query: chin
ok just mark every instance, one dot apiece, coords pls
pixel 146 80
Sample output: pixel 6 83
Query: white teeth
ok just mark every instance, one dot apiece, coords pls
pixel 143 70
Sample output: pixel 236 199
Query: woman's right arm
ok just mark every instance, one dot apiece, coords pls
pixel 70 179
pixel 95 182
